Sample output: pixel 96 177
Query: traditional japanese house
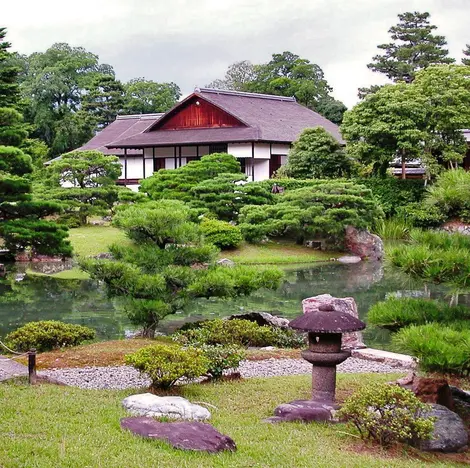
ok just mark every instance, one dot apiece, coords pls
pixel 257 129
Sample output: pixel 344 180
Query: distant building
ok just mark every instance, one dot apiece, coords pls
pixel 257 129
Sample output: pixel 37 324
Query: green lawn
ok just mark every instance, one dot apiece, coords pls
pixel 276 253
pixel 52 427
pixel 93 240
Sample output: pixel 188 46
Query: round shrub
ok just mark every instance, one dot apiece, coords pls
pixel 387 414
pixel 48 335
pixel 221 233
pixel 165 364
pixel 238 332
pixel 222 358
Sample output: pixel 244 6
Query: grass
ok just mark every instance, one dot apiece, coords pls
pixel 276 253
pixel 49 426
pixel 111 353
pixel 93 240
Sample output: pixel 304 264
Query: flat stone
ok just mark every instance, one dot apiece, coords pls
pixel 450 433
pixel 174 407
pixel 305 411
pixel 181 435
pixel 385 357
pixel 226 262
pixel 349 259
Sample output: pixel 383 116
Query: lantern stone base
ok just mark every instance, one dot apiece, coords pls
pixel 305 411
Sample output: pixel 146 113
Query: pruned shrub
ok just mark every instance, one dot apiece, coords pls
pixel 222 358
pixel 238 332
pixel 396 313
pixel 387 414
pixel 439 348
pixel 48 335
pixel 421 215
pixel 165 364
pixel 221 233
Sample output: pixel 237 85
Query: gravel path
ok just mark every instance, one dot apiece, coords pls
pixel 122 377
pixel 9 368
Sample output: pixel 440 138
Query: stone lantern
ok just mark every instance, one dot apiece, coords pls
pixel 325 327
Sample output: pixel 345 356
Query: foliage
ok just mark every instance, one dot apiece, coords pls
pixel 222 358
pixel 386 124
pixel 104 100
pixel 421 215
pixel 387 414
pixel 146 97
pixel 316 154
pixel 436 256
pixel 466 52
pixel 451 194
pixel 439 348
pixel 238 332
pixel 47 335
pixel 285 74
pixel 21 226
pixel 414 47
pixel 222 234
pixel 392 193
pixel 396 313
pixel 322 209
pixel 165 364
pixel 392 229
pixel 177 183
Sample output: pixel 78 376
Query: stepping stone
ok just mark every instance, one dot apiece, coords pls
pixel 305 411
pixel 181 435
pixel 173 407
pixel 348 259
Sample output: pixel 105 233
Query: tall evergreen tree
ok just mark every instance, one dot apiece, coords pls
pixel 104 100
pixel 414 47
pixel 21 226
pixel 466 52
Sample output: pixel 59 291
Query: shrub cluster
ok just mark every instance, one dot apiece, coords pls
pixel 394 313
pixel 221 358
pixel 439 348
pixel 238 332
pixel 387 414
pixel 48 335
pixel 221 233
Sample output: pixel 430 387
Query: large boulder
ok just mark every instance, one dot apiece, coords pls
pixel 364 244
pixel 181 435
pixel 173 407
pixel 340 304
pixel 449 434
pixel 262 318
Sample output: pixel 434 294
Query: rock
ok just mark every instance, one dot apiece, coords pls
pixel 36 258
pixel 174 407
pixel 349 259
pixel 262 318
pixel 386 357
pixel 364 244
pixel 20 277
pixel 461 398
pixel 226 262
pixel 316 244
pixel 341 304
pixel 104 256
pixel 305 410
pixel 181 435
pixel 428 389
pixel 450 433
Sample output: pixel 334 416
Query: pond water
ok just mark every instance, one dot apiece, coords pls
pixel 85 302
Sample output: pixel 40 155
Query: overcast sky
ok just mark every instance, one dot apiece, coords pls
pixel 192 42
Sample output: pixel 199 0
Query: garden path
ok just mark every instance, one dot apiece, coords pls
pixel 10 368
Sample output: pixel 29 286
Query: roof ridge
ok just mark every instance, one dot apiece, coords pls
pixel 245 94
pixel 139 116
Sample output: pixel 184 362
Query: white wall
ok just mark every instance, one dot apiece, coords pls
pixel 261 170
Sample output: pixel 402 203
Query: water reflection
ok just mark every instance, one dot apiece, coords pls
pixel 85 302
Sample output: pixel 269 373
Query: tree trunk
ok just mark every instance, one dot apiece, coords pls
pixel 403 165
pixel 149 331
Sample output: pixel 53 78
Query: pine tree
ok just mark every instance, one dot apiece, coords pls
pixel 466 52
pixel 105 100
pixel 414 47
pixel 21 226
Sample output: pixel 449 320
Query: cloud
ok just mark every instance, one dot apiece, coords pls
pixel 192 43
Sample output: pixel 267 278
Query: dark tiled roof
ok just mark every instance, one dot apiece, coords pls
pixel 269 118
pixel 124 126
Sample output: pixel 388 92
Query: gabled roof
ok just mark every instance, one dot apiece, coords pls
pixel 268 118
pixel 124 126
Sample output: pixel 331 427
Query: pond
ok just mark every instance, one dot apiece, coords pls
pixel 85 301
